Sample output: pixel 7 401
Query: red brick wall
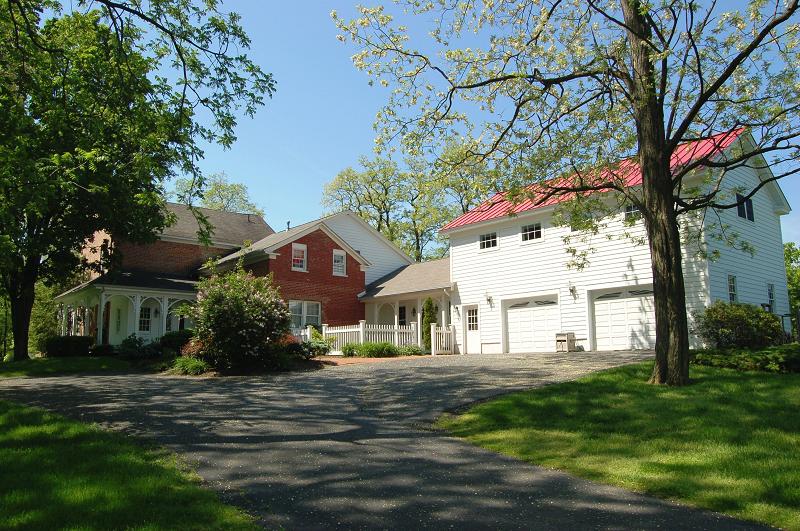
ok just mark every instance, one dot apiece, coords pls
pixel 165 257
pixel 338 295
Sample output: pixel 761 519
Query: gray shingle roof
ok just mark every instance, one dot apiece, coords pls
pixel 422 276
pixel 138 279
pixel 229 227
pixel 279 239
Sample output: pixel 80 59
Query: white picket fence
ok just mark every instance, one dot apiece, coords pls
pixel 442 338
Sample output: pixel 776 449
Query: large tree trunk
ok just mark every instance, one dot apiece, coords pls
pixel 21 299
pixel 672 330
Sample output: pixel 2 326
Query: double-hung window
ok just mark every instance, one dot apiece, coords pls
pixel 299 257
pixel 144 319
pixel 745 207
pixel 732 296
pixel 305 313
pixel 339 263
pixel 488 241
pixel 531 232
pixel 771 297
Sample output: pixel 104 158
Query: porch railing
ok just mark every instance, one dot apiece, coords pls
pixel 442 338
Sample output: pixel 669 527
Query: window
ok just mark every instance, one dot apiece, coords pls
pixel 305 313
pixel 144 319
pixel 299 257
pixel 401 315
pixel 732 288
pixel 632 213
pixel 472 319
pixel 531 232
pixel 771 297
pixel 119 319
pixel 745 207
pixel 487 241
pixel 339 263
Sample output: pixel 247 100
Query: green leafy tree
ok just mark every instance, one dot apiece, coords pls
pixel 44 317
pixel 560 92
pixel 92 124
pixel 791 255
pixel 373 192
pixel 220 193
pixel 429 312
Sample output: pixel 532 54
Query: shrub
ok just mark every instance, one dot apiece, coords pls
pixel 316 347
pixel 783 358
pixel 238 319
pixel 176 340
pixel 726 325
pixel 190 366
pixel 67 346
pixel 350 350
pixel 428 318
pixel 410 350
pixel 192 349
pixel 102 350
pixel 130 347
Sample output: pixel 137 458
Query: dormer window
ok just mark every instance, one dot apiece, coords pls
pixel 745 207
pixel 299 257
pixel 488 241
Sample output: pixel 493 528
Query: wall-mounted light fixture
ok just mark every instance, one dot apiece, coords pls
pixel 572 290
pixel 488 298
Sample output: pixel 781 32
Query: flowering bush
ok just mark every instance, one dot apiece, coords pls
pixel 727 325
pixel 239 318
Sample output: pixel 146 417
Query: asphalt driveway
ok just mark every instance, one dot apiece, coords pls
pixel 351 446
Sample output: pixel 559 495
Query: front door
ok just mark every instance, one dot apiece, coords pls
pixel 473 333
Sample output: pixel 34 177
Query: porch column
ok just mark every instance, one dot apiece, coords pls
pixel 100 315
pixel 74 317
pixel 164 312
pixel 137 308
pixel 396 307
pixel 443 309
pixel 63 319
pixel 376 307
pixel 419 323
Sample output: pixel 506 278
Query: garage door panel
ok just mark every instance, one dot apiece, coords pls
pixel 626 321
pixel 533 328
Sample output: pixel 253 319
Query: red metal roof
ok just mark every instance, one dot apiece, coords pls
pixel 628 171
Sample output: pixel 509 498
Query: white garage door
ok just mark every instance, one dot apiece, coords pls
pixel 625 320
pixel 533 325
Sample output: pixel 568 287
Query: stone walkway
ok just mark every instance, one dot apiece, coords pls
pixel 351 447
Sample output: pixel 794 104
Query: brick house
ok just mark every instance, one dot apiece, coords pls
pixel 321 268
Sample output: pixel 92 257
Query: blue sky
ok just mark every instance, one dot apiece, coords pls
pixel 320 119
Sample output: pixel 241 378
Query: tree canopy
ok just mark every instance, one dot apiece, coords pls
pixel 219 193
pixel 100 103
pixel 560 92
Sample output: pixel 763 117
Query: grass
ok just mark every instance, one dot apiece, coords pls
pixel 59 366
pixel 61 474
pixel 728 442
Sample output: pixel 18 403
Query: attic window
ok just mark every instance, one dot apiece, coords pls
pixel 745 207
pixel 339 263
pixel 299 257
pixel 488 241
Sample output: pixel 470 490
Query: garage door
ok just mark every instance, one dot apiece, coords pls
pixel 533 325
pixel 625 320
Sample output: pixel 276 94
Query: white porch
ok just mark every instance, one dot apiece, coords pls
pixel 110 313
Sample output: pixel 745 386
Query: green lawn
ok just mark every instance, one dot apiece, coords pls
pixel 61 474
pixel 730 442
pixel 57 366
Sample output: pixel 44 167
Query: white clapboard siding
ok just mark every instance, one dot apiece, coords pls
pixel 383 256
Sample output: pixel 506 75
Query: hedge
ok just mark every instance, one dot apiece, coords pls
pixel 68 346
pixel 783 358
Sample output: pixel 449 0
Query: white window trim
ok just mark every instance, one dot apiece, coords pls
pixel 489 249
pixel 304 311
pixel 339 252
pixel 771 291
pixel 304 248
pixel 735 291
pixel 522 239
pixel 477 319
